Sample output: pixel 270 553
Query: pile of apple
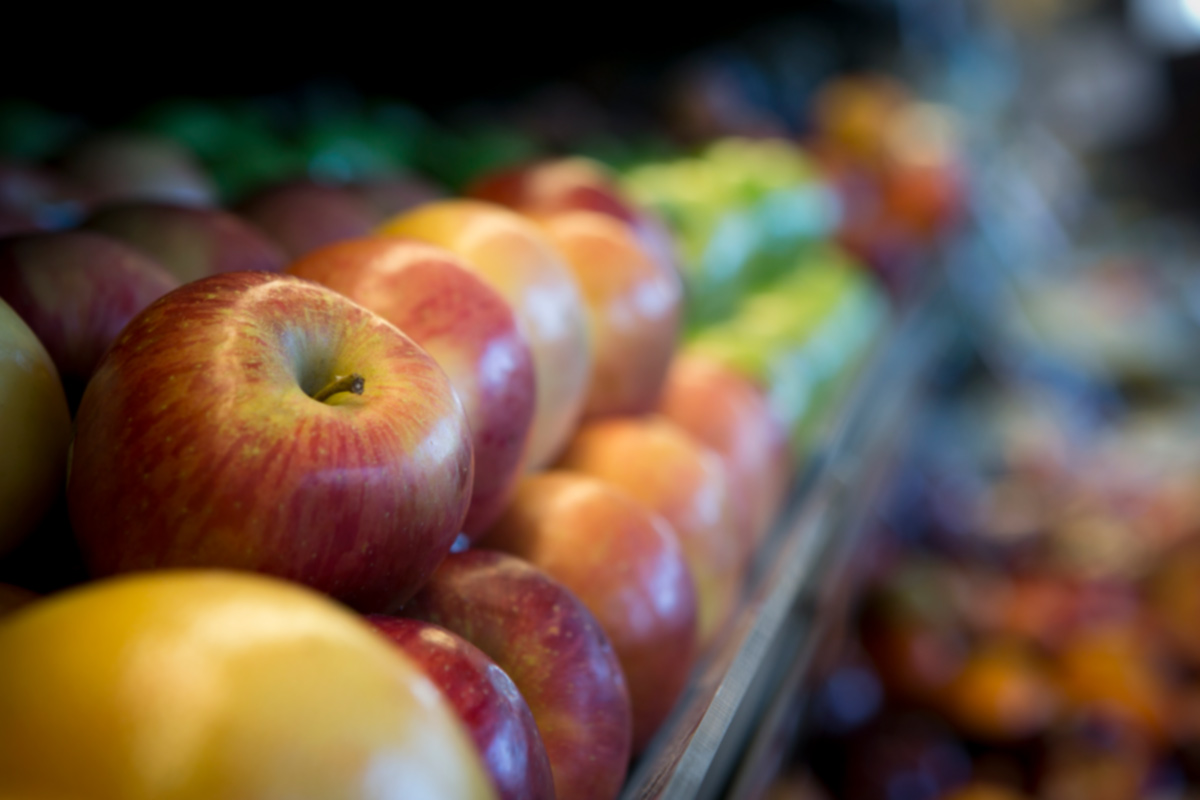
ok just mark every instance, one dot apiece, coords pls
pixel 312 482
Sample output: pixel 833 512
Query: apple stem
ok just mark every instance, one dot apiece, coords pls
pixel 353 383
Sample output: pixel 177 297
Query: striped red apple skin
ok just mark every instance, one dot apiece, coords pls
pixel 199 443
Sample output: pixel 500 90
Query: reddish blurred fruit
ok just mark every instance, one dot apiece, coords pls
pixel 730 414
pixel 684 482
pixel 626 565
pixel 122 165
pixel 302 216
pixel 191 243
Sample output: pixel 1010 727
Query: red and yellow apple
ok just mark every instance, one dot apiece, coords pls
pixel 261 422
pixel 218 685
pixel 729 413
pixel 516 259
pixel 77 290
pixel 626 565
pixel 189 242
pixel 554 650
pixel 35 430
pixel 470 331
pixel 634 305
pixel 683 481
pixel 485 699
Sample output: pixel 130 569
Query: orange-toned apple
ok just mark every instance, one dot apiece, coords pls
pixel 729 413
pixel 35 429
pixel 467 327
pixel 208 684
pixel 683 481
pixel 634 305
pixel 190 243
pixel 626 565
pixel 517 259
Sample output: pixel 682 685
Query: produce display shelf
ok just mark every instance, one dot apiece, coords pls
pixel 727 706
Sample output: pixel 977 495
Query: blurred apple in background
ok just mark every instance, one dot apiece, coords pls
pixel 191 243
pixel 575 184
pixel 37 199
pixel 626 565
pixel 487 702
pixel 390 195
pixel 261 422
pixel 77 290
pixel 217 684
pixel 467 327
pixel 634 308
pixel 303 215
pixel 555 652
pixel 126 165
pixel 683 481
pixel 516 259
pixel 35 430
pixel 730 414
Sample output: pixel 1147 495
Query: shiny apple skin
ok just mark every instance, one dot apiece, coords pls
pixel 556 653
pixel 485 699
pixel 683 481
pixel 206 684
pixel 626 565
pixel 302 216
pixel 190 243
pixel 576 184
pixel 35 430
pixel 198 444
pixel 77 290
pixel 730 414
pixel 467 327
pixel 634 307
pixel 516 259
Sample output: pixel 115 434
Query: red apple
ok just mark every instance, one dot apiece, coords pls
pixel 303 215
pixel 555 652
pixel 575 184
pixel 190 243
pixel 516 259
pixel 261 422
pixel 35 430
pixel 684 482
pixel 726 411
pixel 626 565
pixel 633 305
pixel 467 327
pixel 487 702
pixel 77 290
pixel 124 165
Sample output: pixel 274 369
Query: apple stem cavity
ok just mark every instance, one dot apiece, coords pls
pixel 352 383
